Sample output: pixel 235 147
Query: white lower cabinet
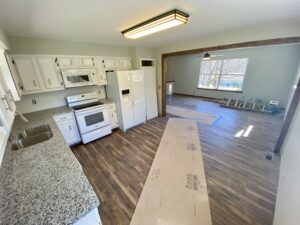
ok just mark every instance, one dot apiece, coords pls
pixel 112 115
pixel 68 127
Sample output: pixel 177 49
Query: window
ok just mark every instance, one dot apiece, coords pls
pixel 227 74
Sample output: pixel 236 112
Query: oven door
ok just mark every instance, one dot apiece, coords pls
pixel 90 119
pixel 77 80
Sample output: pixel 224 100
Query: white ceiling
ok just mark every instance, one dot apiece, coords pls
pixel 101 21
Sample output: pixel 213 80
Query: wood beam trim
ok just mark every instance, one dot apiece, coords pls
pixel 276 41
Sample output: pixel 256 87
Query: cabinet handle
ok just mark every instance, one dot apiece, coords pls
pixel 1 123
pixel 34 83
pixel 49 81
pixel 62 84
pixel 22 88
pixel 70 127
pixel 7 103
pixel 10 95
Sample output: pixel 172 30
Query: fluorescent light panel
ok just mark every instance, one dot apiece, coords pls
pixel 159 23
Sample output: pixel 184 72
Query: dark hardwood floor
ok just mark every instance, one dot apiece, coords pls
pixel 241 183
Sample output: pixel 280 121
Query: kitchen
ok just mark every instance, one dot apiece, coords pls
pixel 86 118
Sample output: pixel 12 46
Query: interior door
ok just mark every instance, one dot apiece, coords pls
pixel 138 98
pixel 149 69
pixel 126 99
pixel 27 73
pixel 50 73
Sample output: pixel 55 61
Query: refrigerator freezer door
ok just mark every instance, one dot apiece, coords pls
pixel 138 88
pixel 126 96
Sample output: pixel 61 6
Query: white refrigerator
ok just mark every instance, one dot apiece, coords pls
pixel 127 90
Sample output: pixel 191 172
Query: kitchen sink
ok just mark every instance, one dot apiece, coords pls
pixel 34 131
pixel 32 136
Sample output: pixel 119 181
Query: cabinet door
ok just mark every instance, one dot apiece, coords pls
pixel 50 73
pixel 100 69
pixel 14 75
pixel 65 62
pixel 7 105
pixel 68 127
pixel 85 61
pixel 27 73
pixel 8 78
pixel 4 134
pixel 110 64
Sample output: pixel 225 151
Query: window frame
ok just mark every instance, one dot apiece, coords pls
pixel 220 75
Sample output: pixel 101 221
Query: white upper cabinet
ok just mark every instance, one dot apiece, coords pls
pixel 100 69
pixel 117 63
pixel 65 62
pixel 13 81
pixel 85 61
pixel 50 73
pixel 110 64
pixel 28 74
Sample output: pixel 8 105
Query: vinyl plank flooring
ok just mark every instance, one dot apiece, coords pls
pixel 241 183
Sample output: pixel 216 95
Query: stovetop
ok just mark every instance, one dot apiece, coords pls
pixel 83 106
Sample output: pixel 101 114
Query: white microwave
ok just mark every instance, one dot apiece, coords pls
pixel 79 77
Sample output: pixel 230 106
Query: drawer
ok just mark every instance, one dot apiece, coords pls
pixel 64 117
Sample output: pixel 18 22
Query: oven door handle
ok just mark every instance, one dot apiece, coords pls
pixel 89 111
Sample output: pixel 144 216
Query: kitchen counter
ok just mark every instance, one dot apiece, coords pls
pixel 43 183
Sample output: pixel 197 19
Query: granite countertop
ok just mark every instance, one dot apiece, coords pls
pixel 106 101
pixel 44 183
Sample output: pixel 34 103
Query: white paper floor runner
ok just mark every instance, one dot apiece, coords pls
pixel 191 114
pixel 175 191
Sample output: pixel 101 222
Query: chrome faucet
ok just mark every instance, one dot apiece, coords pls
pixel 12 138
pixel 22 117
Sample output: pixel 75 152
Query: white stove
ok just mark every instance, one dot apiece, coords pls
pixel 91 115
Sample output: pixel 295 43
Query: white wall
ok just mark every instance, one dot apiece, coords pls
pixel 223 38
pixel 270 72
pixel 287 209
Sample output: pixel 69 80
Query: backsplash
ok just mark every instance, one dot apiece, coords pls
pixel 53 99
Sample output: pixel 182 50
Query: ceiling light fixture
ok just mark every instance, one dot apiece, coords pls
pixel 206 56
pixel 156 24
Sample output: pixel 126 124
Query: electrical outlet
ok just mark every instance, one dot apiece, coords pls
pixel 34 102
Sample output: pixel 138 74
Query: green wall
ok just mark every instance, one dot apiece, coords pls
pixel 270 73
